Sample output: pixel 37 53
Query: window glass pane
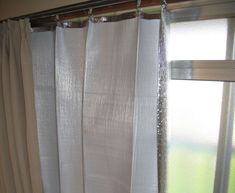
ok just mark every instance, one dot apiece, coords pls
pixel 198 40
pixel 231 188
pixel 194 109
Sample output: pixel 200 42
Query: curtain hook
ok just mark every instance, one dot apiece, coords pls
pixel 138 3
pixel 164 4
pixel 138 7
pixel 66 24
pixel 90 13
pixel 57 19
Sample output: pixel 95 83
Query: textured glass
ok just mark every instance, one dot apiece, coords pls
pixel 194 119
pixel 198 40
pixel 44 88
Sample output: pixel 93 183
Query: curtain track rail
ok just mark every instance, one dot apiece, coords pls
pixel 82 9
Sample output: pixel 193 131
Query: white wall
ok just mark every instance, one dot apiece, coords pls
pixel 13 8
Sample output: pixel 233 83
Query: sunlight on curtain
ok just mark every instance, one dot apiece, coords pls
pixel 70 61
pixel 109 94
pixel 104 102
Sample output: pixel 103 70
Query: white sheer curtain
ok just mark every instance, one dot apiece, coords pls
pixel 70 62
pixel 109 96
pixel 43 52
pixel 96 102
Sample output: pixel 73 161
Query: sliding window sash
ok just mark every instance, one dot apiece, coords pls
pixel 226 123
pixel 216 70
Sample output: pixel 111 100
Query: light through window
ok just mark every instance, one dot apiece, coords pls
pixel 194 120
pixel 194 108
pixel 198 40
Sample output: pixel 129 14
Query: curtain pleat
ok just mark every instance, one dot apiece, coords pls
pixel 96 102
pixel 43 52
pixel 20 165
pixel 144 176
pixel 95 125
pixel 70 62
pixel 6 172
pixel 109 106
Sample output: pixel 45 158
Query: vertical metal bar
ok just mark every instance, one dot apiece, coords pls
pixel 225 139
pixel 226 123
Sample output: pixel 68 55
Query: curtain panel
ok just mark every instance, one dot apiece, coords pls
pixel 19 152
pixel 96 106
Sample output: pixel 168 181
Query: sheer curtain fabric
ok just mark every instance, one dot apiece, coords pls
pixel 96 103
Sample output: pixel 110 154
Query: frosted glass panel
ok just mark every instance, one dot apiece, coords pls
pixel 194 109
pixel 198 40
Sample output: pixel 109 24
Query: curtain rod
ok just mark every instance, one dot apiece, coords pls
pixel 99 7
pixel 82 10
pixel 74 7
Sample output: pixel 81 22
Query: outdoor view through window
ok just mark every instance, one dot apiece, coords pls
pixel 194 110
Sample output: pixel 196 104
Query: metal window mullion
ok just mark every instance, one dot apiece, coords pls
pixel 225 139
pixel 208 70
pixel 226 123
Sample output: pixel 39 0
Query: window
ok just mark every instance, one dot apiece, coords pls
pixel 199 113
pixel 198 40
pixel 194 121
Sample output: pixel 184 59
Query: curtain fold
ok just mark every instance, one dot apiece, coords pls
pixel 94 129
pixel 19 155
pixel 108 114
pixel 43 52
pixel 70 62
pixel 144 172
pixel 98 96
